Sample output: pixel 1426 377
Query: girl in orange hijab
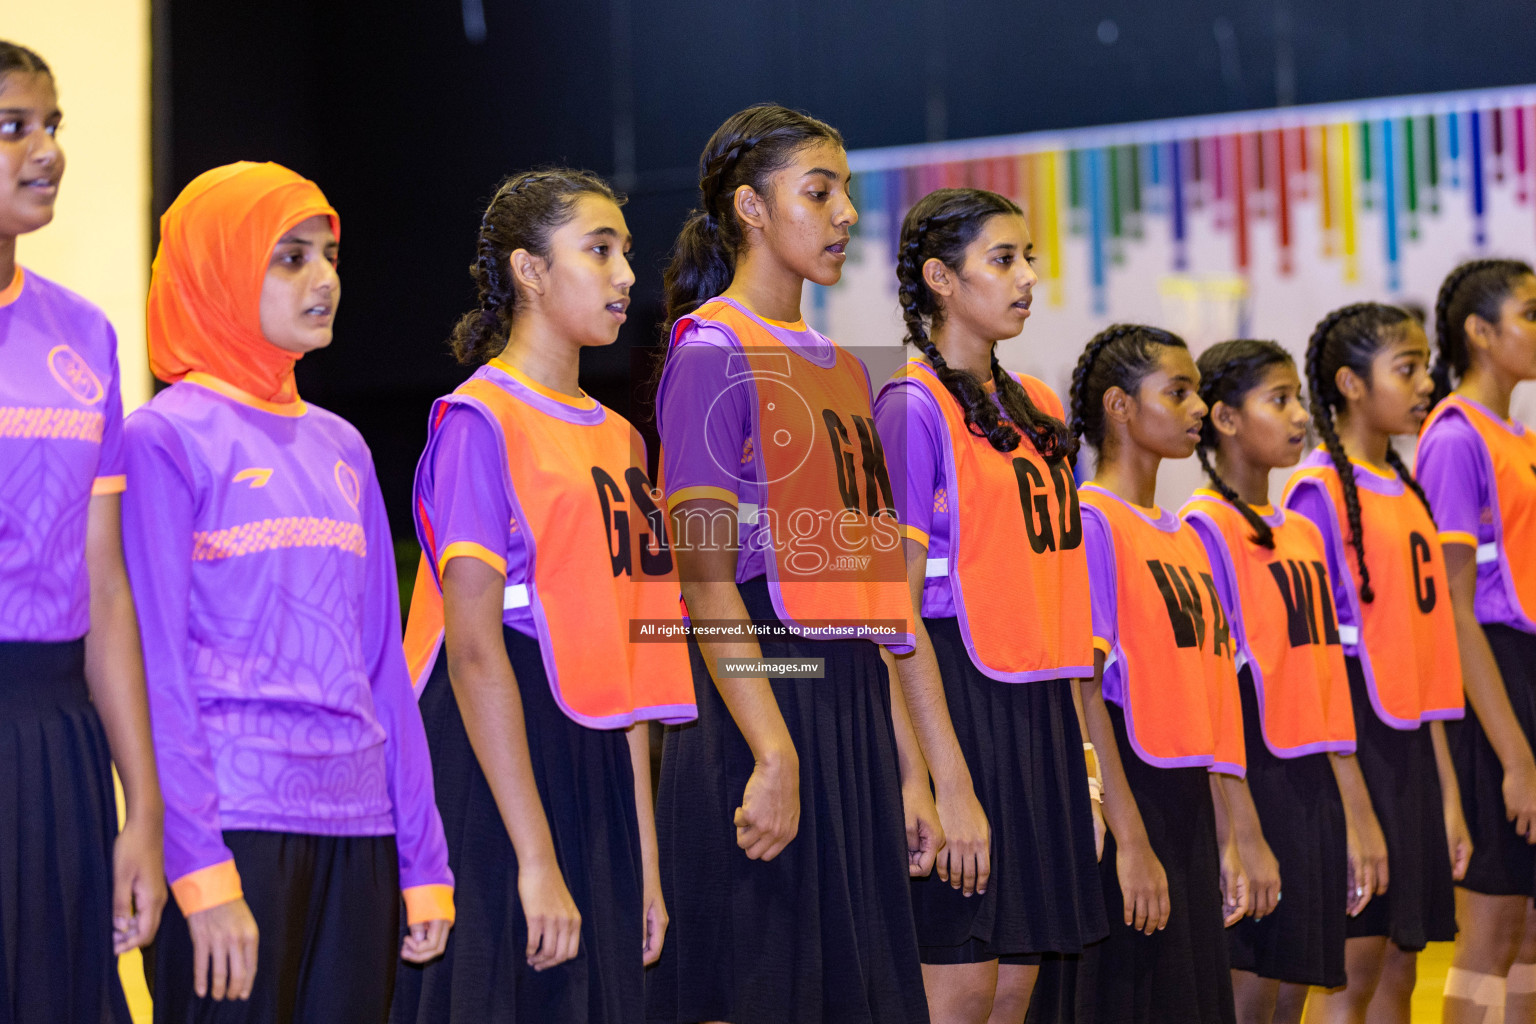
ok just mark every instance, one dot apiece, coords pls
pixel 298 786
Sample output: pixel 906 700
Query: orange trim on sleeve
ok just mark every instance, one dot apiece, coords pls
pixel 1102 646
pixel 109 484
pixel 676 498
pixel 1457 537
pixel 469 549
pixel 212 886
pixel 912 533
pixel 428 903
pixel 11 292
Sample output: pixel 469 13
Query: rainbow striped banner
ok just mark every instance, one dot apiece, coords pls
pixel 1408 162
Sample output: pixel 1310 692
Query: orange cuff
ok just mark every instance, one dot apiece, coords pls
pixel 1457 537
pixel 428 903
pixel 469 549
pixel 676 498
pixel 212 886
pixel 1101 645
pixel 109 485
pixel 912 533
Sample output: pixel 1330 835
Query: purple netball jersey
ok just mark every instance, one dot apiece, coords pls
pixel 264 575
pixel 61 430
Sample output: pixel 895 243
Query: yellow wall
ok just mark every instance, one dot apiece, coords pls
pixel 98 243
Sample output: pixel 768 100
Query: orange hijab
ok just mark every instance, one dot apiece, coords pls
pixel 205 286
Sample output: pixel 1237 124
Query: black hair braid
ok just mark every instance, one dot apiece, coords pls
pixel 1475 288
pixel 1133 359
pixel 1325 396
pixel 1396 462
pixel 1047 433
pixel 1263 533
pixel 524 212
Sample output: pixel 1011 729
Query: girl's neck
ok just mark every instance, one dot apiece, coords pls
pixel 7 260
pixel 766 286
pixel 963 350
pixel 1489 389
pixel 542 358
pixel 1363 442
pixel 1248 479
pixel 1129 474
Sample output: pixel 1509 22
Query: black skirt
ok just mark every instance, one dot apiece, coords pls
pixel 1179 975
pixel 58 820
pixel 586 783
pixel 1503 863
pixel 1302 815
pixel 1419 906
pixel 824 931
pixel 1023 746
pixel 327 911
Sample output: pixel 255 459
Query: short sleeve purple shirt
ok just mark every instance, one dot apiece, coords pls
pixel 61 430
pixel 915 439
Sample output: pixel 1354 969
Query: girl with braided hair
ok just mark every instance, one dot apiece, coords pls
pixel 1164 699
pixel 1367 372
pixel 1476 466
pixel 980 464
pixel 1298 727
pixel 542 540
pixel 792 813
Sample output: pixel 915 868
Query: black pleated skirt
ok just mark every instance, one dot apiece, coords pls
pixel 586 783
pixel 824 931
pixel 1419 906
pixel 58 820
pixel 1503 863
pixel 1179 975
pixel 327 912
pixel 1302 815
pixel 1024 749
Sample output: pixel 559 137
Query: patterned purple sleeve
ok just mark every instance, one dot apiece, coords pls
pixel 904 417
pixel 469 505
pixel 423 850
pixel 1451 467
pixel 157 545
pixel 704 425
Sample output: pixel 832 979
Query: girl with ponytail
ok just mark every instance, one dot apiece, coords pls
pixel 1164 702
pixel 1367 371
pixel 537 704
pixel 782 812
pixel 1475 462
pixel 1002 596
pixel 1298 727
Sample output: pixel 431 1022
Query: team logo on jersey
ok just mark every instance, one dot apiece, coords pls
pixel 74 375
pixel 256 475
pixel 346 482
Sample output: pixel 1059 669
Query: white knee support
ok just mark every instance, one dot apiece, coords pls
pixel 1482 990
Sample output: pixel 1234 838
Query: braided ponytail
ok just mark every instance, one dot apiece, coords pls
pixel 1120 356
pixel 1475 288
pixel 1351 336
pixel 746 150
pixel 941 226
pixel 526 209
pixel 1228 372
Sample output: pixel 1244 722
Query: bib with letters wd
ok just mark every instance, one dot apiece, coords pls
pixel 598 560
pixel 1510 456
pixel 1181 702
pixel 835 569
pixel 1406 638
pixel 1280 606
pixel 1017 568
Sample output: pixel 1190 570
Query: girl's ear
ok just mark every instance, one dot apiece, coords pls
pixel 1225 419
pixel 1480 334
pixel 1350 384
pixel 1117 405
pixel 529 272
pixel 751 210
pixel 936 276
